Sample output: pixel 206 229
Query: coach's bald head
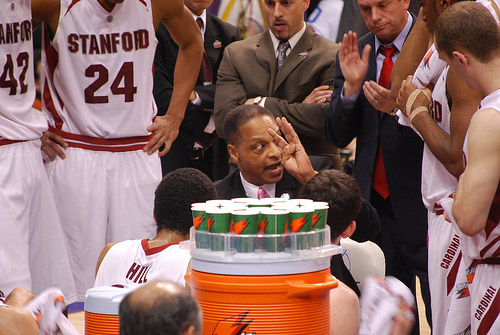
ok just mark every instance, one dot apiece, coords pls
pixel 160 308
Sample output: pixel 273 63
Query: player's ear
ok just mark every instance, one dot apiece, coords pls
pixel 191 330
pixel 462 58
pixel 349 230
pixel 233 152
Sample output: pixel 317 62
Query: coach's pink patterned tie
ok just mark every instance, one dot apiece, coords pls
pixel 262 193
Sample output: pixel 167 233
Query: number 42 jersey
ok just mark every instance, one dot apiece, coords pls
pixel 98 69
pixel 18 121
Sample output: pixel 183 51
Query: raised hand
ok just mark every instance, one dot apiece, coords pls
pixel 353 66
pixel 295 159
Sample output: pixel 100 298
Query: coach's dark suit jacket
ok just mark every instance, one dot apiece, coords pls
pixel 218 35
pixel 249 69
pixel 231 186
pixel 401 146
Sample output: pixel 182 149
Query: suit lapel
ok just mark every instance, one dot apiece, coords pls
pixel 372 74
pixel 264 51
pixel 212 40
pixel 237 189
pixel 286 185
pixel 297 55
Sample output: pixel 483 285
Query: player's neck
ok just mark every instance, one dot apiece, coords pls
pixel 164 237
pixel 108 5
pixel 490 80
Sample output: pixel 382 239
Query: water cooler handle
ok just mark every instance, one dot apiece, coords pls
pixel 300 289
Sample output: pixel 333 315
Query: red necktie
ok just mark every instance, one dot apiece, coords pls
pixel 262 193
pixel 379 176
pixel 206 67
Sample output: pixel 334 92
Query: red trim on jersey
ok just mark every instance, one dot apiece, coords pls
pixel 103 144
pixel 4 141
pixel 49 105
pixel 490 316
pixel 70 6
pixel 151 251
pixel 50 52
pixel 144 3
pixel 452 275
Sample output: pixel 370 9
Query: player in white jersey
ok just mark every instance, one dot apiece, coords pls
pixel 140 261
pixel 468 39
pixel 33 253
pixel 134 262
pixel 442 122
pixel 97 66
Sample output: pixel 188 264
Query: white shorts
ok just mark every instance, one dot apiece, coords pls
pixel 33 253
pixel 102 197
pixel 447 278
pixel 485 299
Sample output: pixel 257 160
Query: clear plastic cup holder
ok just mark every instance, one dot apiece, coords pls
pixel 230 247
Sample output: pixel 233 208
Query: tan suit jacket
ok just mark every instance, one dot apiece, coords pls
pixel 248 70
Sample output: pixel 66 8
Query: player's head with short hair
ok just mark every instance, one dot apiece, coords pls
pixel 341 192
pixel 160 308
pixel 251 146
pixel 468 26
pixel 174 196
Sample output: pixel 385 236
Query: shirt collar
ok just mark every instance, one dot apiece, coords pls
pixel 293 40
pixel 203 17
pixel 252 190
pixel 400 40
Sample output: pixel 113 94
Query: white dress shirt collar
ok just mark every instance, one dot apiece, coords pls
pixel 400 40
pixel 203 17
pixel 293 40
pixel 252 190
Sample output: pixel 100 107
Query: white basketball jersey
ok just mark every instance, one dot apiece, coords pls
pixel 486 243
pixel 133 262
pixel 99 69
pixel 429 69
pixel 18 120
pixel 437 182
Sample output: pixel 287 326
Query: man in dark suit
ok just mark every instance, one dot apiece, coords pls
pixel 194 147
pixel 288 69
pixel 260 170
pixel 388 156
pixel 264 159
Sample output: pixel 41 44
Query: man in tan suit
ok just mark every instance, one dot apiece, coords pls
pixel 288 69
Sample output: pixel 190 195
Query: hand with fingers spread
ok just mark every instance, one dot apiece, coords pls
pixel 353 66
pixel 295 159
pixel 53 145
pixel 379 97
pixel 319 95
pixel 165 130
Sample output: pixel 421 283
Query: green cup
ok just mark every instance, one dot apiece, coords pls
pixel 271 222
pixel 219 222
pixel 200 224
pixel 299 202
pixel 319 222
pixel 301 221
pixel 244 222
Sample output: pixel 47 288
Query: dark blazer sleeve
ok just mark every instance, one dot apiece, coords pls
pixel 196 117
pixel 343 122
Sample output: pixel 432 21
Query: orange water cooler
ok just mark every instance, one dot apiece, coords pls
pixel 262 292
pixel 102 305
